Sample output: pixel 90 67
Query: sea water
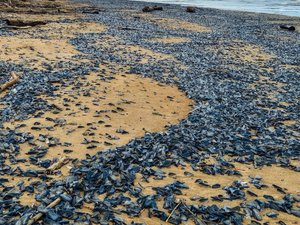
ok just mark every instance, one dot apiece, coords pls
pixel 283 7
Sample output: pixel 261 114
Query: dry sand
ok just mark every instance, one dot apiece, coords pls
pixel 170 40
pixel 96 109
pixel 33 53
pixel 275 175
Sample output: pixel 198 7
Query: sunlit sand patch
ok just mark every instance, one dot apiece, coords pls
pixel 240 51
pixel 248 53
pixel 277 87
pixel 288 66
pixel 267 173
pixel 25 48
pixel 155 221
pixel 78 27
pixel 177 24
pixel 170 40
pixel 177 174
pixel 58 30
pixel 270 109
pixel 148 106
pixel 133 54
pixel 264 80
pixel 280 176
pixel 2 105
pixel 253 133
pixel 27 198
pixel 115 110
pixel 289 122
pixel 99 111
pixel 145 219
pixel 173 24
pixel 270 175
pixel 34 52
pixel 146 54
pixel 286 104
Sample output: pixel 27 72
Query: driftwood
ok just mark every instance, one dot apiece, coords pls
pixel 150 9
pixel 24 23
pixel 39 215
pixel 287 27
pixel 190 9
pixel 60 163
pixel 10 83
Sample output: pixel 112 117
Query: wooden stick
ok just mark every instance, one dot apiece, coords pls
pixel 39 215
pixel 10 83
pixel 60 163
pixel 194 216
pixel 173 211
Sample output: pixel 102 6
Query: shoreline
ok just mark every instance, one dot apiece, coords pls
pixel 125 117
pixel 207 7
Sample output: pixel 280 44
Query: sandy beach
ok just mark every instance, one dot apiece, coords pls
pixel 114 115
